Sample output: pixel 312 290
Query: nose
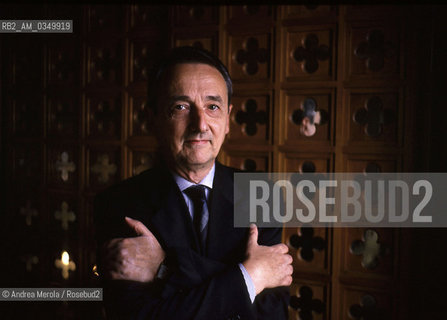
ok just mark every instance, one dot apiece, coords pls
pixel 198 121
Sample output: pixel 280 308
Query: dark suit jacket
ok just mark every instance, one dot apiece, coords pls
pixel 209 286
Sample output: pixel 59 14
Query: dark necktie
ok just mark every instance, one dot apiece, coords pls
pixel 200 212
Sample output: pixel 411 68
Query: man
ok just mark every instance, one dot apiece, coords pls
pixel 169 246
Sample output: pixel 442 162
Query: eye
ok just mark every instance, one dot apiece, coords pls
pixel 179 107
pixel 213 107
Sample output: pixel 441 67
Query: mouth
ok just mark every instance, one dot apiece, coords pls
pixel 197 142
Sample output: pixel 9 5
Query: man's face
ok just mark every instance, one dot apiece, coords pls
pixel 193 114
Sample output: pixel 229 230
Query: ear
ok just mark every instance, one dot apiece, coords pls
pixel 227 128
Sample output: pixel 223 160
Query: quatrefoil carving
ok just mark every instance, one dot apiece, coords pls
pixel 306 304
pixel 250 117
pixel 251 56
pixel 375 50
pixel 308 116
pixel 307 243
pixel 369 248
pixel 368 309
pixel 310 53
pixel 374 116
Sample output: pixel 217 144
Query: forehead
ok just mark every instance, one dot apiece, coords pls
pixel 194 74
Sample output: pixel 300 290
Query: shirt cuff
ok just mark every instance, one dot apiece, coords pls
pixel 248 282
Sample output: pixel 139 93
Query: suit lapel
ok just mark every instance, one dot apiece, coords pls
pixel 171 218
pixel 222 236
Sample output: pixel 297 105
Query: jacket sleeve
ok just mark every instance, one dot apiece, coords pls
pixel 221 293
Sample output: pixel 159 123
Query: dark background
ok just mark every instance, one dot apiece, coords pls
pixel 82 96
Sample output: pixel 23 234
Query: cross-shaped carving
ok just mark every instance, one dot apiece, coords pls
pixel 141 62
pixel 29 213
pixel 305 304
pixel 141 118
pixel 311 53
pixel 105 116
pixel 103 168
pixel 375 50
pixel 64 215
pixel 307 117
pixel 61 66
pixel 307 242
pixel 103 63
pixel 30 260
pixel 251 55
pixel 373 116
pixel 65 265
pixel 369 248
pixel 250 117
pixel 366 310
pixel 65 166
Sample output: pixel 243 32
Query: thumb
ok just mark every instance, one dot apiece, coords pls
pixel 253 238
pixel 137 226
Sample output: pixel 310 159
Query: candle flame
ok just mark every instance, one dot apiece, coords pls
pixel 65 258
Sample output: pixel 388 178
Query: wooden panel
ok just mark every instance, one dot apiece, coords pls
pixel 311 12
pixel 249 14
pixel 310 250
pixel 374 117
pixel 195 15
pixel 103 167
pixel 143 52
pixel 140 160
pixel 309 300
pixel 373 51
pixel 250 118
pixel 146 17
pixel 362 303
pixel 369 163
pixel 63 116
pixel 27 167
pixel 63 166
pixel 103 116
pixel 104 18
pixel 64 215
pixel 140 113
pixel 27 115
pixel 250 57
pixel 199 41
pixel 307 117
pixel 306 162
pixel 368 253
pixel 247 161
pixel 104 63
pixel 308 53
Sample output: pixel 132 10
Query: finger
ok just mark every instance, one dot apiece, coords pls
pixel 253 238
pixel 139 228
pixel 287 281
pixel 281 248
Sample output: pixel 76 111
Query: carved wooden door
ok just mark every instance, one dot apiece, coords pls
pixel 77 121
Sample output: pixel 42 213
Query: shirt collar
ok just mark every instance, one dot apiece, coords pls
pixel 206 181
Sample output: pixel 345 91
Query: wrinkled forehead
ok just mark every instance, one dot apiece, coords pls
pixel 192 69
pixel 192 75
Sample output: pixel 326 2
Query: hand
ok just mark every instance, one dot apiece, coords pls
pixel 136 259
pixel 268 267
